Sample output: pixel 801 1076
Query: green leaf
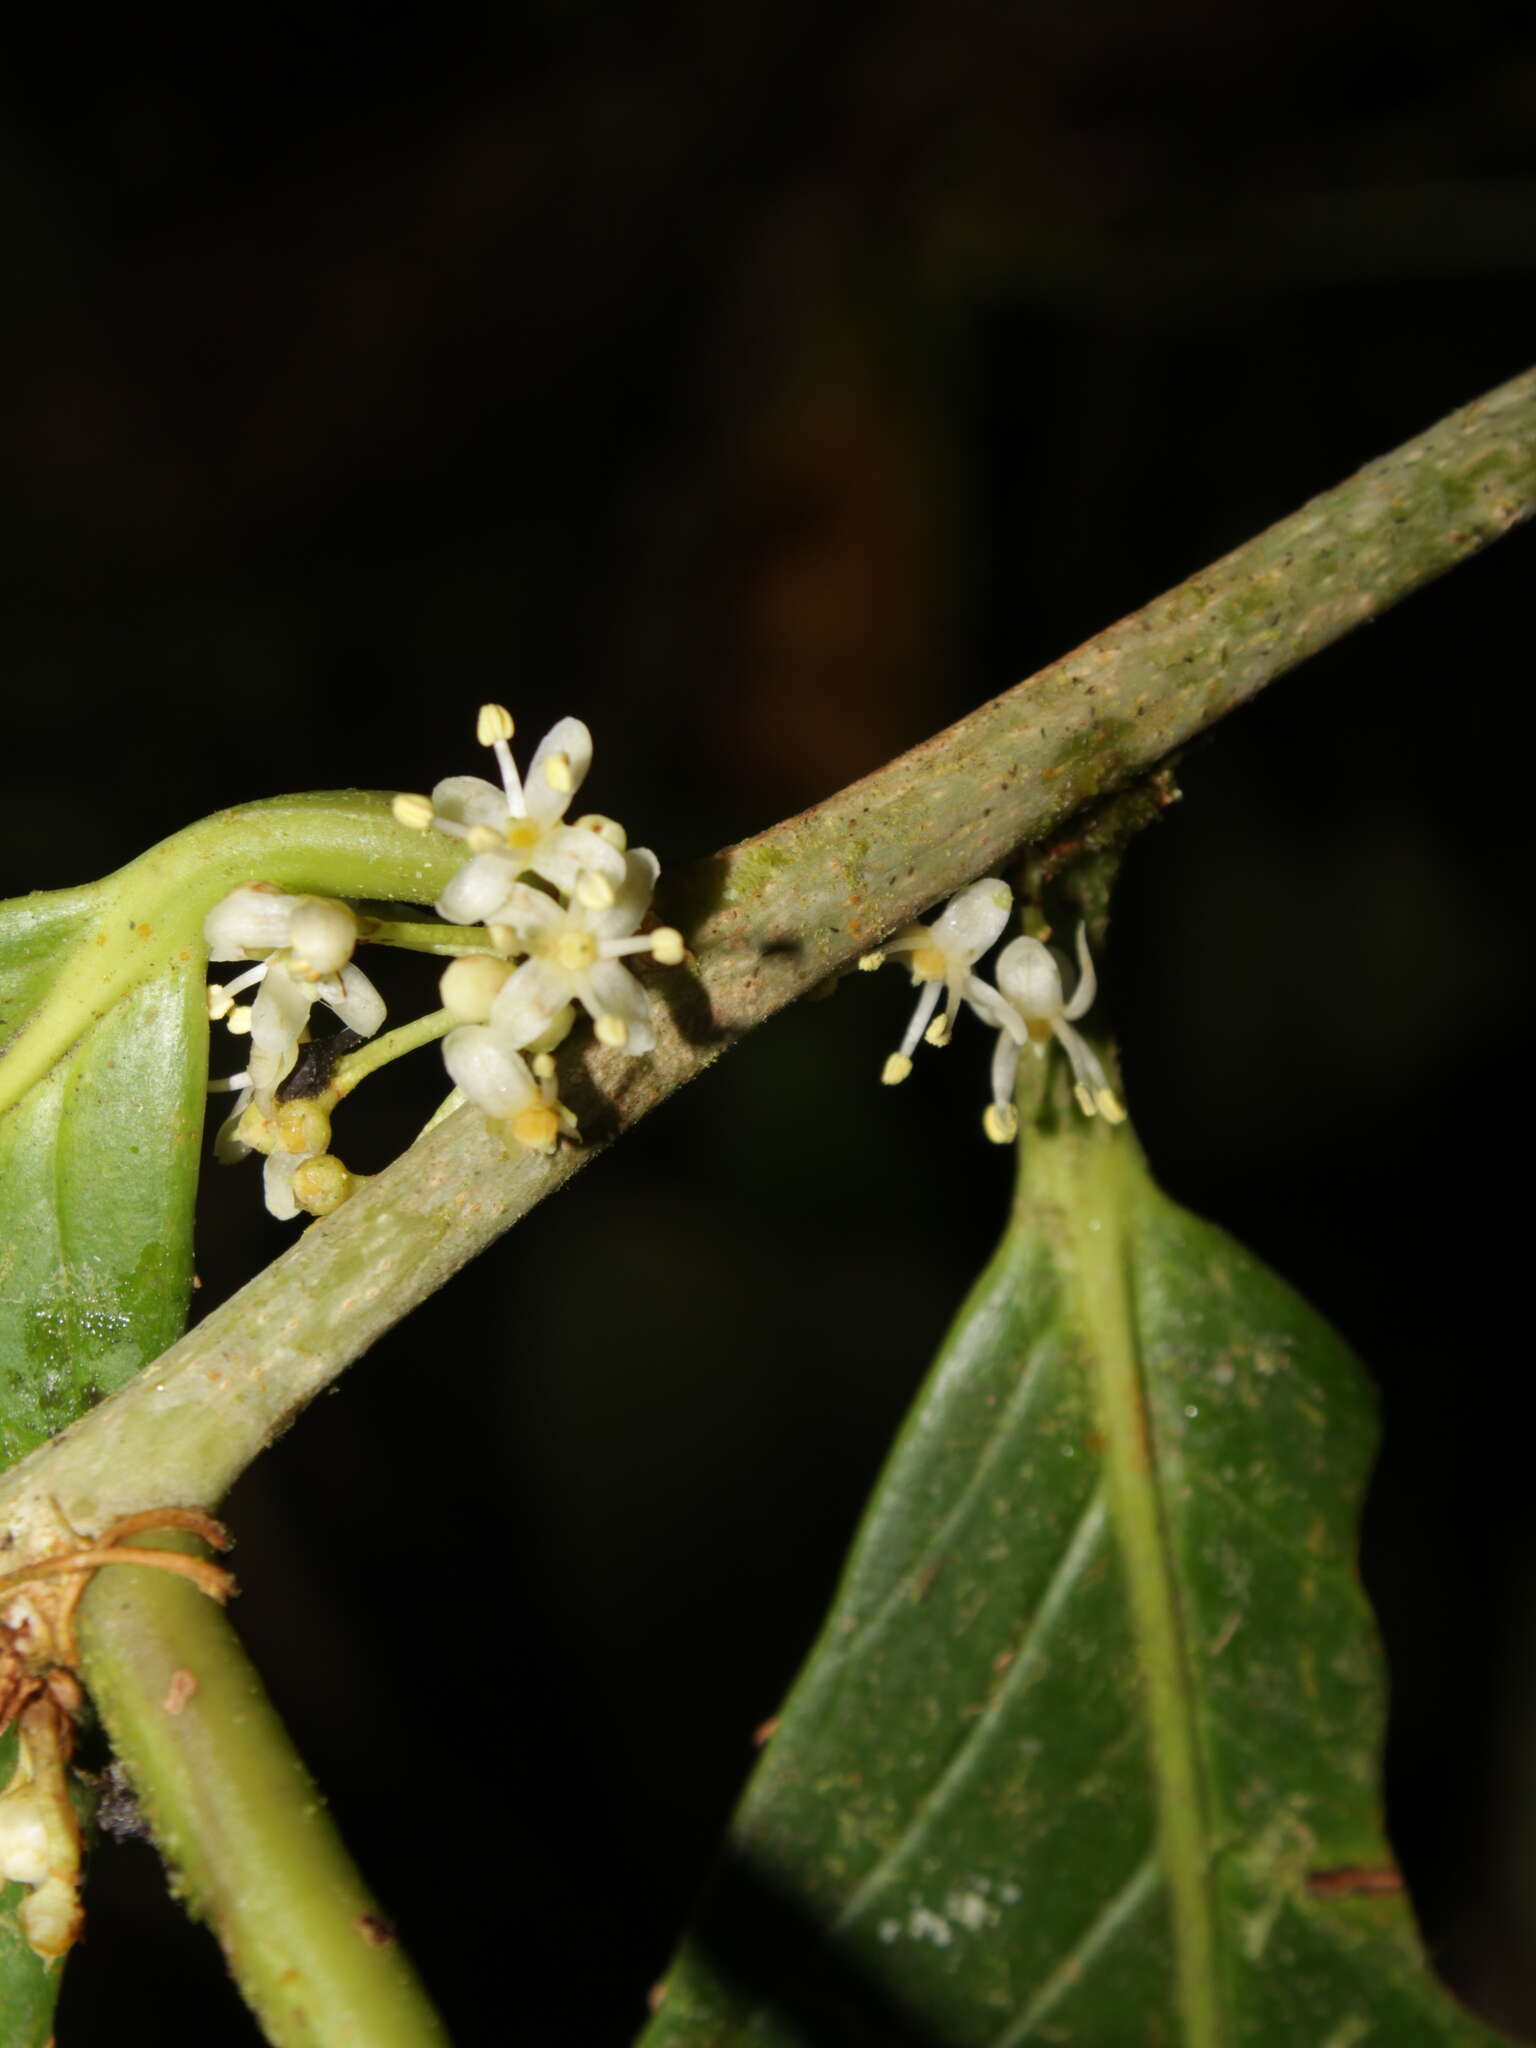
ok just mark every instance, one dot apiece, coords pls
pixel 1087 1752
pixel 103 1069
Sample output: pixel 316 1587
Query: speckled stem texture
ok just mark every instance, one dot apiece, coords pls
pixel 770 918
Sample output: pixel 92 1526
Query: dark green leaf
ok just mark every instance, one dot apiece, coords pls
pixel 1088 1750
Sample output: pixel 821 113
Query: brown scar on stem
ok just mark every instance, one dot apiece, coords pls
pixel 374 1929
pixel 181 1688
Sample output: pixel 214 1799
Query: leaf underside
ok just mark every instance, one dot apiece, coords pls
pixel 1087 1751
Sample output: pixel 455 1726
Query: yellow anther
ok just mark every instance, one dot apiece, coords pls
pixel 938 1031
pixel 239 1019
pixel 322 1184
pixel 593 890
pixel 220 1001
pixel 611 1030
pixel 605 828
pixel 1001 1123
pixel 667 947
pixel 505 938
pixel 494 723
pixel 470 986
pixel 557 773
pixel 415 811
pixel 1085 1101
pixel 303 1125
pixel 929 964
pixel 868 962
pixel 1110 1106
pixel 543 1065
pixel 896 1068
pixel 575 951
pixel 482 839
pixel 538 1128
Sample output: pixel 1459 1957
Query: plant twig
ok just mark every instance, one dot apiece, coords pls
pixel 240 1821
pixel 769 919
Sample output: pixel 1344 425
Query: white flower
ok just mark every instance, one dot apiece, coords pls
pixel 500 1081
pixel 308 943
pixel 941 956
pixel 574 951
pixel 1029 1008
pixel 520 828
pixel 318 934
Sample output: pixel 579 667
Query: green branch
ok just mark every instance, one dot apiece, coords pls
pixel 240 1821
pixel 771 918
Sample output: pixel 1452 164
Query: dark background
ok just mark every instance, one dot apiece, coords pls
pixel 769 385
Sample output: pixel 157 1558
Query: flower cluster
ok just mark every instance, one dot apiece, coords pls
pixel 1027 1006
pixel 559 907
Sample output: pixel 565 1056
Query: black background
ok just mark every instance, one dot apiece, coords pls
pixel 768 385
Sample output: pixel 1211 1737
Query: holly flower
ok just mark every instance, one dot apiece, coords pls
pixel 574 953
pixel 941 956
pixel 520 828
pixel 307 942
pixel 1029 1008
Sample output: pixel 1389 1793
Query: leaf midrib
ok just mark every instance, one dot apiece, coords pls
pixel 1083 1174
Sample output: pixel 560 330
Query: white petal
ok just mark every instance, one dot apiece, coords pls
pixel 227 1147
pixel 478 890
pixel 974 919
pixel 567 736
pixel 357 1002
pixel 488 1072
pixel 635 890
pixel 1087 982
pixel 280 1012
pixel 1028 976
pixel 470 800
pixel 250 920
pixel 534 993
pixel 277 1184
pixel 993 1008
pixel 612 991
pixel 567 852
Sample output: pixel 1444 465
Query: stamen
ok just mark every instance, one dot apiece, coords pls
pixel 611 1030
pixel 483 839
pixel 1085 1101
pixel 557 773
pixel 938 1032
pixel 896 1069
pixel 543 1066
pixel 493 723
pixel 230 1085
pixel 667 947
pixel 1110 1106
pixel 538 1128
pixel 239 1020
pixel 413 811
pixel 220 1001
pixel 1000 1121
pixel 868 962
pixel 593 890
